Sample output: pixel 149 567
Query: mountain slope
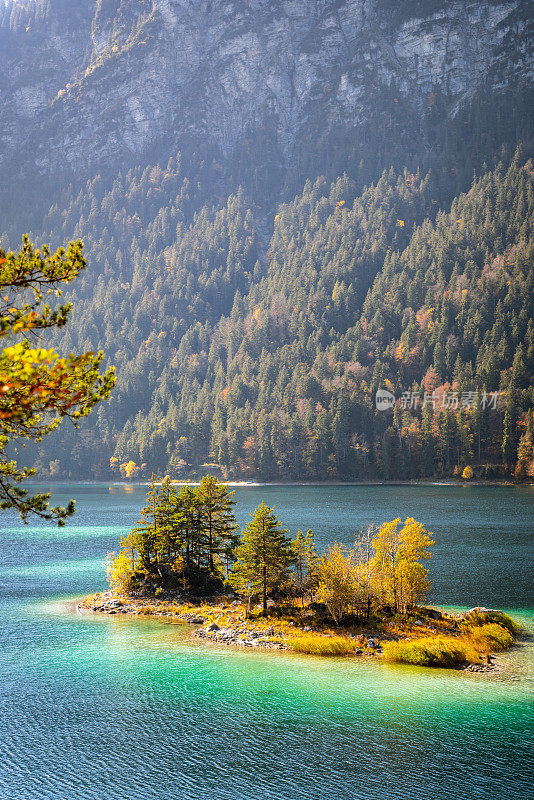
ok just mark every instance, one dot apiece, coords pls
pixel 272 92
pixel 269 366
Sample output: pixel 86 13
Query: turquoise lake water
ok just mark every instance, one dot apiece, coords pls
pixel 119 709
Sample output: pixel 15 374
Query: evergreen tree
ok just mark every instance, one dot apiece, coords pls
pixel 263 558
pixel 217 520
pixel 39 388
pixel 271 368
pixel 169 519
pixel 170 546
pixel 510 432
pixel 144 536
pixel 189 505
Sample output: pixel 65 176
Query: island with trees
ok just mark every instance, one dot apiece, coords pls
pixel 185 561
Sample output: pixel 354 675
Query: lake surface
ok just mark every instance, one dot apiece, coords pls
pixel 106 708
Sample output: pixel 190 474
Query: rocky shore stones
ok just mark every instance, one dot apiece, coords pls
pixel 240 637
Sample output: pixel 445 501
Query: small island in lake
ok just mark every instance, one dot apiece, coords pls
pixel 185 562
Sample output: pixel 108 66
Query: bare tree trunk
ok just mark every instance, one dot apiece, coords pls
pixel 211 546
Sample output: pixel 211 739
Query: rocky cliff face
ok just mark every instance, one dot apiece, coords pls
pixel 88 83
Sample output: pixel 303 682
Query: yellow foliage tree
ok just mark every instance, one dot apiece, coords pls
pixel 339 581
pixel 120 567
pixel 467 474
pixel 129 469
pixel 399 575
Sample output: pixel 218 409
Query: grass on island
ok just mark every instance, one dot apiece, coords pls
pixel 483 633
pixel 319 645
pixel 491 638
pixel 445 643
pixel 483 618
pixel 431 651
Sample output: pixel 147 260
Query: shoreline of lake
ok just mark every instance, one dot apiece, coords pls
pixel 293 484
pixel 239 630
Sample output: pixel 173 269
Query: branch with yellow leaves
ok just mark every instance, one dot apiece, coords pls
pixel 39 388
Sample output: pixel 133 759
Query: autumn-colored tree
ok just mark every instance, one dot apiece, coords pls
pixel 121 566
pixel 339 586
pixel 401 579
pixel 129 469
pixel 467 474
pixel 525 451
pixel 39 388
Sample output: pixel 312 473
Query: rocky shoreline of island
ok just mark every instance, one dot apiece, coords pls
pixel 223 620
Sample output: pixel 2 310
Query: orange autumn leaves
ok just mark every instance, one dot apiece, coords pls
pixel 35 380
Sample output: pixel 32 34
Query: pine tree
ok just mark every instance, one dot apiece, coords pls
pixel 510 433
pixel 263 557
pixel 168 516
pixel 217 520
pixel 40 389
pixel 428 440
pixel 145 531
pixel 189 504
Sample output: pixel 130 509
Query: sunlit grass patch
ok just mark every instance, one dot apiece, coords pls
pixel 491 637
pixel 431 651
pixel 484 618
pixel 318 645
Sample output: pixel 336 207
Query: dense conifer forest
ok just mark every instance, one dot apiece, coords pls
pixel 262 353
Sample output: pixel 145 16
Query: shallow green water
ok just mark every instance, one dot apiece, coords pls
pixel 113 708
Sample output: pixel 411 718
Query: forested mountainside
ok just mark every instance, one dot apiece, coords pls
pixel 280 218
pixel 267 362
